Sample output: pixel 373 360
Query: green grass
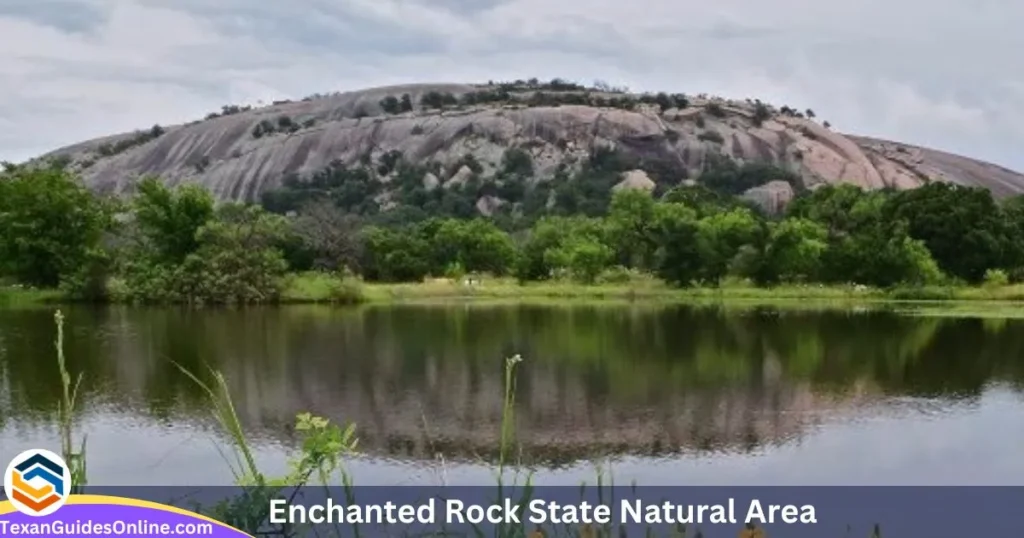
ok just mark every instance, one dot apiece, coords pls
pixel 313 287
pixel 327 288
pixel 15 296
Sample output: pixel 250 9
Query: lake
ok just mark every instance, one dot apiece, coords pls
pixel 655 395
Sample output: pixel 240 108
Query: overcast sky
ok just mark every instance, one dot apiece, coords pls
pixel 940 73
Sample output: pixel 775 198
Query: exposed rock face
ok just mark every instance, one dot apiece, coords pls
pixel 225 154
pixel 487 205
pixel 459 178
pixel 635 179
pixel 430 181
pixel 772 197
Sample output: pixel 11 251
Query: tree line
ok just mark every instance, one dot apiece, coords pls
pixel 176 244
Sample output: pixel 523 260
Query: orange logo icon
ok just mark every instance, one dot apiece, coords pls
pixel 37 482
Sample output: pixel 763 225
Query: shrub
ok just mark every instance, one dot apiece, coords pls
pixel 761 113
pixel 347 291
pixel 711 136
pixel 391 105
pixel 995 278
pixel 715 110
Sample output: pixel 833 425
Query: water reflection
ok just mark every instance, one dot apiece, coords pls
pixel 595 381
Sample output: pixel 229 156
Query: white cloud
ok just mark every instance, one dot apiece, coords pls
pixel 940 73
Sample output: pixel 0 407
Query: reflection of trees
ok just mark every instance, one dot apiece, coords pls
pixel 419 380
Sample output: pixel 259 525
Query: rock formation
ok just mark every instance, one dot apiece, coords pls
pixel 240 153
pixel 772 197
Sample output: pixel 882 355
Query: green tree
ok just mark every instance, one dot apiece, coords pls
pixel 631 227
pixel 841 209
pixel 550 235
pixel 794 251
pixel 169 220
pixel 881 255
pixel 961 226
pixel 677 259
pixel 51 226
pixel 238 259
pixel 720 237
pixel 477 245
pixel 583 256
pixel 395 255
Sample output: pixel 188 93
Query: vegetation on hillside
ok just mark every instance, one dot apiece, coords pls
pixel 177 245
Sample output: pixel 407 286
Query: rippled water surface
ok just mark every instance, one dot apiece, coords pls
pixel 655 395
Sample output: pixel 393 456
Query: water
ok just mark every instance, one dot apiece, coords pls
pixel 657 395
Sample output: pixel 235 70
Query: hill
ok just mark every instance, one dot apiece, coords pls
pixel 456 133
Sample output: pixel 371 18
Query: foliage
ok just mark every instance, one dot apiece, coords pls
pixel 727 177
pixel 794 251
pixel 996 278
pixel 719 239
pixel 550 246
pixel 631 227
pixel 136 139
pixel 330 236
pixel 185 251
pixel 961 226
pixel 476 245
pixel 677 258
pixel 174 245
pixel 168 220
pixel 51 227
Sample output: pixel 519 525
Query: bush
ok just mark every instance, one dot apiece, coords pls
pixel 347 291
pixel 711 136
pixel 996 278
pixel 619 275
pixel 922 293
pixel 761 113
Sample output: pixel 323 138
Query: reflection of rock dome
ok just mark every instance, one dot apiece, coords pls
pixel 416 402
pixel 594 381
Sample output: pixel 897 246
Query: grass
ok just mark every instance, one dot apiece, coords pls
pixel 17 296
pixel 990 301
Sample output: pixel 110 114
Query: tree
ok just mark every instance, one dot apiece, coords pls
pixel 477 245
pixel 545 250
pixel 584 256
pixel 50 225
pixel 330 234
pixel 169 220
pixel 391 105
pixel 719 239
pixel 882 254
pixel 630 227
pixel 701 199
pixel 395 255
pixel 727 177
pixel 794 251
pixel 961 226
pixel 238 260
pixel 406 104
pixel 677 259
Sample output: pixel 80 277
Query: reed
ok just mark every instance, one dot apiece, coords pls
pixel 76 460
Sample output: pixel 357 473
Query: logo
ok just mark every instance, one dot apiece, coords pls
pixel 37 482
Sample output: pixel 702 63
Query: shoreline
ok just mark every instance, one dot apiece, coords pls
pixel 323 289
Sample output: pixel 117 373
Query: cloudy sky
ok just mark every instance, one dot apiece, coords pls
pixel 939 73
